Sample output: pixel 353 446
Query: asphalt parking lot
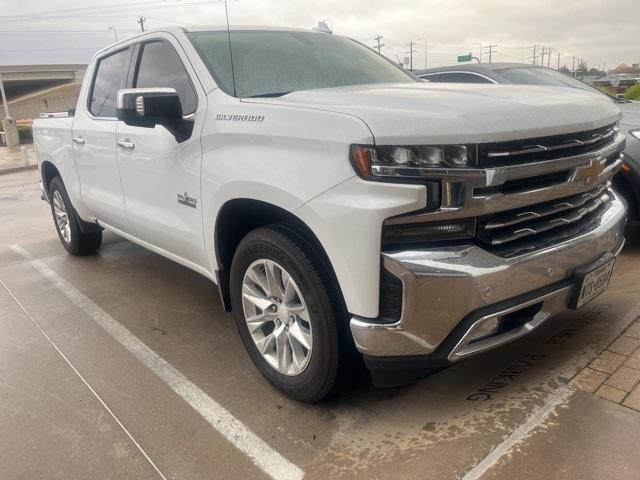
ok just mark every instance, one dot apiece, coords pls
pixel 124 365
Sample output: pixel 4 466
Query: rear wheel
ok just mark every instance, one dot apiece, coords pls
pixel 283 312
pixel 73 239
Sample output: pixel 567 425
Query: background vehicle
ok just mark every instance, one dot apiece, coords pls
pixel 628 180
pixel 338 200
pixel 603 83
pixel 622 85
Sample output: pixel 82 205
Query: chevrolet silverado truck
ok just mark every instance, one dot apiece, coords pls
pixel 338 201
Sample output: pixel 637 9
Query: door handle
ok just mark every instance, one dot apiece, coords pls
pixel 78 140
pixel 127 145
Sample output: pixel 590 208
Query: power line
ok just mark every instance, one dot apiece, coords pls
pixel 66 32
pixel 50 49
pixel 102 13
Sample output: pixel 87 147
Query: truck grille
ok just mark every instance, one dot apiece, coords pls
pixel 512 232
pixel 544 148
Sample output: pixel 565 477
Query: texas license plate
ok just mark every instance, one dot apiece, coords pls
pixel 592 280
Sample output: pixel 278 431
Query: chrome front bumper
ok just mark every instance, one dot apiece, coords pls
pixel 443 286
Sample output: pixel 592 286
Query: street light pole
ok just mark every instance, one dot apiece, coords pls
pixel 115 33
pixel 9 127
pixel 426 63
pixel 4 98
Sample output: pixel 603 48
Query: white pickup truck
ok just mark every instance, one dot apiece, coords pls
pixel 336 200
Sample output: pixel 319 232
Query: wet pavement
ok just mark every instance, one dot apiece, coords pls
pixel 124 365
pixel 12 159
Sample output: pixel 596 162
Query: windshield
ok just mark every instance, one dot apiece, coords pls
pixel 272 63
pixel 543 76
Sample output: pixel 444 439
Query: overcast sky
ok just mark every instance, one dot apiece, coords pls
pixel 600 31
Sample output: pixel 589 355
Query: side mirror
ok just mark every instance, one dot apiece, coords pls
pixel 148 104
pixel 148 107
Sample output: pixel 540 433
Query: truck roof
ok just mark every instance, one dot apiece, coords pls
pixel 201 28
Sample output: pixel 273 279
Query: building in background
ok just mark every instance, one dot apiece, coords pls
pixel 35 89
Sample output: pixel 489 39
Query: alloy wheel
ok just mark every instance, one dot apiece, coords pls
pixel 277 317
pixel 61 216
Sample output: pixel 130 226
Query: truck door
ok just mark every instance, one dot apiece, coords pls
pixel 94 139
pixel 161 175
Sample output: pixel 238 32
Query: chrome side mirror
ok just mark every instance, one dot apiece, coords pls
pixel 148 106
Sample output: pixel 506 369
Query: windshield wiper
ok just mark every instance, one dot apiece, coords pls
pixel 274 94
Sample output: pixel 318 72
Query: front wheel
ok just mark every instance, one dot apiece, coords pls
pixel 283 311
pixel 73 239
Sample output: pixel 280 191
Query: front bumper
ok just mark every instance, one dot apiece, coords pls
pixel 447 290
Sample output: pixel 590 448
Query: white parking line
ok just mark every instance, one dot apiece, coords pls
pixel 260 453
pixel 95 394
pixel 535 419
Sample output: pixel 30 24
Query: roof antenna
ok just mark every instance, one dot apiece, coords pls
pixel 233 75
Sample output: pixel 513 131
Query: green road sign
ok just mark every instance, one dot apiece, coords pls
pixel 464 58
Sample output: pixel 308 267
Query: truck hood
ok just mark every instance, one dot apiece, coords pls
pixel 415 113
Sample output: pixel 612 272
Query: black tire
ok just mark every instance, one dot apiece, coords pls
pixel 292 251
pixel 79 243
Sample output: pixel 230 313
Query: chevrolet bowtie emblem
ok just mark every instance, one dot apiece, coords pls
pixel 591 173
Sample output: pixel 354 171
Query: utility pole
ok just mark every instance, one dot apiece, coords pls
pixel 549 57
pixel 425 52
pixel 558 60
pixel 380 45
pixel 491 51
pixel 141 21
pixel 573 65
pixel 411 50
pixel 542 56
pixel 535 54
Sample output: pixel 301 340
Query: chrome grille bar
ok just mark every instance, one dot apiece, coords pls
pixel 544 209
pixel 566 143
pixel 567 216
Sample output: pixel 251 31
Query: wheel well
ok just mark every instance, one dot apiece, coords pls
pixel 49 172
pixel 624 188
pixel 239 217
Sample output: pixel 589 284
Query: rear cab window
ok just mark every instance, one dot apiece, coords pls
pixel 110 76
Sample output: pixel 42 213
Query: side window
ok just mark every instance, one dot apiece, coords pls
pixel 431 77
pixel 461 78
pixel 111 76
pixel 160 66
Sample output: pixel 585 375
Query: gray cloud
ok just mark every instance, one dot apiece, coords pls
pixel 601 32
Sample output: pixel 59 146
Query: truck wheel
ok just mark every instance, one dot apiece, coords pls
pixel 67 223
pixel 280 299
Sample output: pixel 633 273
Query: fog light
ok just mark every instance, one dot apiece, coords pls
pixel 485 329
pixel 405 233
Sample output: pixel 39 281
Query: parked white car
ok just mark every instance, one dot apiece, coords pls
pixel 337 200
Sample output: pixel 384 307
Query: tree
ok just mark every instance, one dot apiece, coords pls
pixel 594 72
pixel 583 67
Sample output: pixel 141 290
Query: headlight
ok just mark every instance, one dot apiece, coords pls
pixel 381 162
pixel 635 133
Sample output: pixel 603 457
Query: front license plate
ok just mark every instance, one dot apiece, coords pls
pixel 592 280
